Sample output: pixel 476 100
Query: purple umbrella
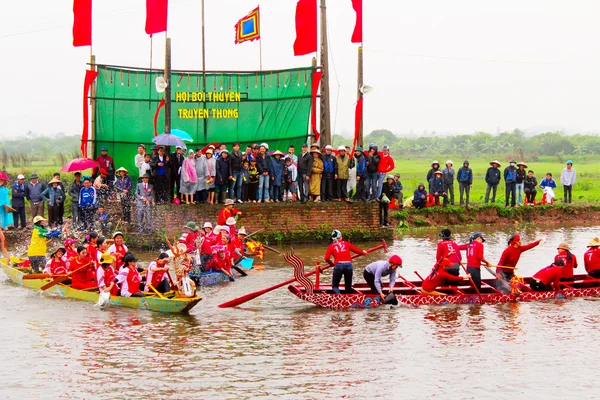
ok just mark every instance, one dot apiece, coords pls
pixel 167 139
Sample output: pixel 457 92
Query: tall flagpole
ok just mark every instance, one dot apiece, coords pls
pixel 204 120
pixel 325 124
pixel 359 140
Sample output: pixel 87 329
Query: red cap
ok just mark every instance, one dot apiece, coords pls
pixel 395 260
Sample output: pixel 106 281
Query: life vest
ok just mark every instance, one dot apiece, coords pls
pixel 106 277
pixel 133 281
pixel 119 252
pixel 156 277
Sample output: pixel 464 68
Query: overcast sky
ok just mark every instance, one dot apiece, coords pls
pixel 439 65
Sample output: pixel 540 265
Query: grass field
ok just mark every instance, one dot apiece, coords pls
pixel 586 189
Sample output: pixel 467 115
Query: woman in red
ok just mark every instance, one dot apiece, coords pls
pixel 439 274
pixel 129 278
pixel 91 242
pixel 156 276
pixel 564 253
pixel 71 247
pixel 511 255
pixel 342 261
pixel 83 264
pixel 118 250
pixel 221 260
pixel 449 249
pixel 548 278
pixel 475 258
pixel 190 239
pixel 591 258
pixel 57 265
pixel 105 275
pixel 207 242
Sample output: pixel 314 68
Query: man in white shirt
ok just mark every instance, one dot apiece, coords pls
pixel 139 160
pixel 567 179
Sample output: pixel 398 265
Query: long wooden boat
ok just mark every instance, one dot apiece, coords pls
pixel 150 302
pixel 410 294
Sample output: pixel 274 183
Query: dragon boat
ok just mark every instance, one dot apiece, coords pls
pixel 170 303
pixel 409 293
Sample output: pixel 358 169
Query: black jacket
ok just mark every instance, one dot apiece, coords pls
pixel 372 162
pixel 430 173
pixel 235 161
pixel 388 190
pixel 436 185
pixel 154 166
pixel 223 171
pixel 176 163
pixel 492 176
pixel 530 183
pixel 263 164
pixel 305 163
pixel 521 174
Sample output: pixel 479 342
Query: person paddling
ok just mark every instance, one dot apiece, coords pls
pixel 475 258
pixel 570 261
pixel 591 258
pixel 157 274
pixel 129 278
pixel 105 275
pixel 449 249
pixel 374 271
pixel 511 255
pixel 58 263
pixel 340 250
pixel 548 278
pixel 438 276
pixel 37 248
pixel 85 267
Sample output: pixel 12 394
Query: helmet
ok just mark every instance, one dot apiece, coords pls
pixel 466 162
pixel 341 148
pixel 395 260
pixel 477 235
pixel 445 234
pixel 266 146
pixel 449 162
pixel 336 234
pixel 207 224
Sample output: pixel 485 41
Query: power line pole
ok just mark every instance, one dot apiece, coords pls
pixel 325 114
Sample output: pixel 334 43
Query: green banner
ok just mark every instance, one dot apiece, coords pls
pixel 245 107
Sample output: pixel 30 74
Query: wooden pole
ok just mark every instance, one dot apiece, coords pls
pixel 168 88
pixel 92 146
pixel 325 124
pixel 360 94
pixel 204 120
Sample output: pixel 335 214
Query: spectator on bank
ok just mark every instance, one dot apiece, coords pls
pixel 53 195
pixel 175 182
pixel 74 190
pixel 465 181
pixel 386 164
pixel 343 173
pixel 510 178
pixel 88 201
pixel 437 188
pixel 124 187
pixel 18 203
pixel 33 193
pixel 492 178
pixel 6 217
pixel 145 198
pixel 236 182
pixel 304 167
pixel 567 179
pixel 420 196
pixel 373 158
pixel 210 172
pixel 103 222
pixel 548 182
pixel 189 179
pixel 398 190
pixel 329 173
pixel 292 178
pixel 521 175
pixel 448 178
pixel 276 176
pixel 107 163
pixel 435 166
pixel 61 205
pixel 145 168
pixel 139 159
pixel 530 185
pixel 161 172
pixel 387 193
pixel 253 176
pixel 101 185
pixel 361 174
pixel 245 179
pixel 222 176
pixel 315 175
pixel 263 163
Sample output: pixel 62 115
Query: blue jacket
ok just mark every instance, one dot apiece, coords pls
pixel 510 174
pixel 418 193
pixel 436 185
pixel 465 175
pixel 87 197
pixel 276 172
pixel 53 196
pixel 329 166
pixel 223 171
pixel 397 186
pixel 18 195
pixel 361 166
pixel 263 164
pixel 545 182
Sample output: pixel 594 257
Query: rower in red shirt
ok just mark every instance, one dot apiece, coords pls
pixel 475 258
pixel 591 258
pixel 548 278
pixel 57 265
pixel 564 253
pixel 449 249
pixel 342 261
pixel 156 276
pixel 190 239
pixel 105 275
pixel 129 278
pixel 439 274
pixel 511 255
pixel 118 249
pixel 227 211
pixel 84 266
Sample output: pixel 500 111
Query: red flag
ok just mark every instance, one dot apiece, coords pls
pixel 313 112
pixel 82 23
pixel 306 27
pixel 156 16
pixel 89 78
pixel 160 105
pixel 357 121
pixel 357 34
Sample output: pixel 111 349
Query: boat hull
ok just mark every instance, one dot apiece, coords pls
pixel 171 305
pixel 408 296
pixel 209 278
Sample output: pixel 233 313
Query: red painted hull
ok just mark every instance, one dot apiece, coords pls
pixel 463 295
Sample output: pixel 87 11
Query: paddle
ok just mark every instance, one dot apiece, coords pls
pixel 238 269
pixel 254 233
pixel 253 295
pixel 37 276
pixel 156 291
pixel 62 278
pixel 473 283
pixel 503 282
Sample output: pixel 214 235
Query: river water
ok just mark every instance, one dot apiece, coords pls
pixel 277 346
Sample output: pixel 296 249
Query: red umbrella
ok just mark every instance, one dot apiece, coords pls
pixel 79 164
pixel 3 176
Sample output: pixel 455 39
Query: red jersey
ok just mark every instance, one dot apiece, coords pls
pixel 450 250
pixel 475 255
pixel 591 259
pixel 81 279
pixel 133 280
pixel 208 243
pixel 93 253
pixel 58 267
pixel 190 241
pixel 118 252
pixel 225 213
pixel 433 282
pixel 218 263
pixel 567 270
pixel 386 164
pixel 511 255
pixel 548 275
pixel 105 277
pixel 341 252
pixel 155 277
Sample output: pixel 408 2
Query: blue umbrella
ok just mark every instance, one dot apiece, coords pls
pixel 182 135
pixel 167 139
